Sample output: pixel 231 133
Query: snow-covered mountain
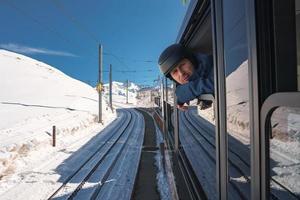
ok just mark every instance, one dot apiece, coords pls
pixel 34 97
pixel 119 88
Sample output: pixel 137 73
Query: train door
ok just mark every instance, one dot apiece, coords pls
pixel 273 28
pixel 280 112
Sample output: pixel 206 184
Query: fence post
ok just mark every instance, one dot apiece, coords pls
pixel 53 136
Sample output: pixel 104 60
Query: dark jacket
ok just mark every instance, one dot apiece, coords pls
pixel 201 81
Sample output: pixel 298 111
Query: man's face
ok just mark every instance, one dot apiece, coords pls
pixel 182 72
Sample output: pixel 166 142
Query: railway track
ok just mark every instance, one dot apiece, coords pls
pixel 101 168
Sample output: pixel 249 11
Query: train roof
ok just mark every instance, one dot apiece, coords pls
pixel 197 21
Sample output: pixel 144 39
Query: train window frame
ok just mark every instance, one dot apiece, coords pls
pixel 220 94
pixel 270 47
pixel 237 96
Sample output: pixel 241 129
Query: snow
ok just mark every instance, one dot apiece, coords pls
pixel 162 182
pixel 285 148
pixel 34 97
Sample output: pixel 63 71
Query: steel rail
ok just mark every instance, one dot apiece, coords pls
pixel 121 125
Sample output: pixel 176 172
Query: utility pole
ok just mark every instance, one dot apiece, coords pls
pixel 100 86
pixel 110 87
pixel 127 85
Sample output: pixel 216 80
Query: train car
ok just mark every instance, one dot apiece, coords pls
pixel 247 145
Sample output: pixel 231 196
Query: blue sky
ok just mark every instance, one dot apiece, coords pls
pixel 66 34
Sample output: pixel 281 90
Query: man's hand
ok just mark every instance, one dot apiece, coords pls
pixel 182 107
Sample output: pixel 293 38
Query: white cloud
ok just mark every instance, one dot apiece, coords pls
pixel 30 50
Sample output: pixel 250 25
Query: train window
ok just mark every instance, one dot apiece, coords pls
pixel 237 98
pixel 298 39
pixel 284 153
pixel 197 137
pixel 203 145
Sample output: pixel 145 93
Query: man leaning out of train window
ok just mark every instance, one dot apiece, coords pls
pixel 193 73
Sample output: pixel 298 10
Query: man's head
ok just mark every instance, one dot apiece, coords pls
pixel 177 63
pixel 182 71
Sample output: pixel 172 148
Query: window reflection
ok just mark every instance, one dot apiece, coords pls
pixel 197 138
pixel 237 99
pixel 284 153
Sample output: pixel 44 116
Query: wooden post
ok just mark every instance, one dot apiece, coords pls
pixel 162 152
pixel 54 136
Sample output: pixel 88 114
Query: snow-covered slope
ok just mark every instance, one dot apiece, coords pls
pixel 29 85
pixel 35 96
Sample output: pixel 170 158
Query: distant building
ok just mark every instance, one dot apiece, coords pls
pixel 148 92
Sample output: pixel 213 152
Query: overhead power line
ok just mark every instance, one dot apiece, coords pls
pixel 46 27
pixel 69 16
pixel 131 71
pixel 60 7
pixel 24 13
pixel 129 59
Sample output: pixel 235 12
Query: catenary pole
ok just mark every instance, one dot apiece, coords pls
pixel 127 85
pixel 100 83
pixel 110 87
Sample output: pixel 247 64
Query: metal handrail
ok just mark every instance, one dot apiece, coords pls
pixel 207 97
